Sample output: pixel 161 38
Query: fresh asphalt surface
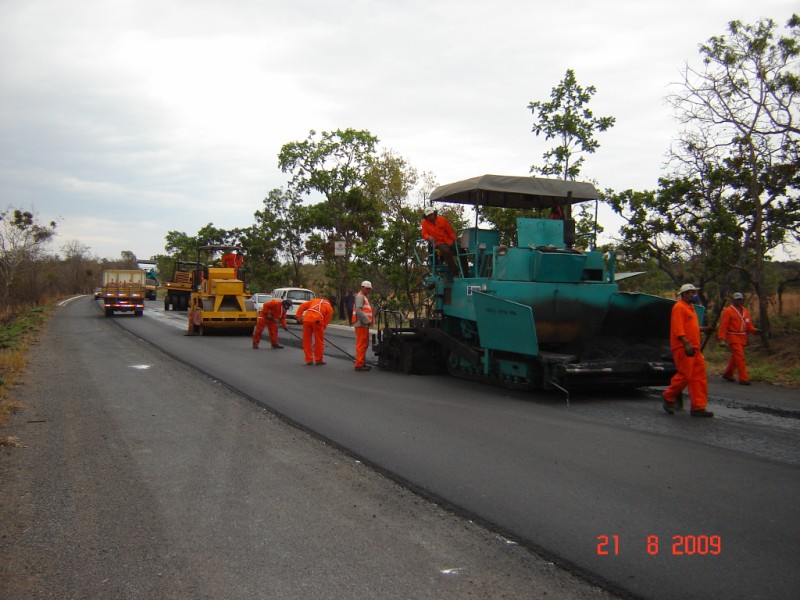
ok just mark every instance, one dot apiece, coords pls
pixel 551 475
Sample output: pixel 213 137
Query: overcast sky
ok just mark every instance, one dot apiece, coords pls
pixel 125 119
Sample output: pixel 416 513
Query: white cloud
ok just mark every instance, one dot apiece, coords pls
pixel 131 118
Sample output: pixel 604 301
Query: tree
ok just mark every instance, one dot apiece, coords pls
pixel 184 247
pixel 127 260
pixel 335 165
pixel 741 111
pixel 180 246
pixel 280 232
pixel 684 226
pixel 22 237
pixel 77 267
pixel 391 183
pixel 568 119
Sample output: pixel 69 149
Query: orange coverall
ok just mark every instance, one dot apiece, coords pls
pixel 362 328
pixel 233 261
pixel 443 236
pixel 441 231
pixel 316 315
pixel 691 369
pixel 271 314
pixel 734 326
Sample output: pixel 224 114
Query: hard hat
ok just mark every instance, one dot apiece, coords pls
pixel 738 296
pixel 688 287
pixel 429 210
pixel 366 284
pixel 286 303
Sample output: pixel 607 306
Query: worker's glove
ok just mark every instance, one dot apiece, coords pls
pixel 722 343
pixel 689 350
pixel 285 328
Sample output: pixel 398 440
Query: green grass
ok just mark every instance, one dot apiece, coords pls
pixel 14 330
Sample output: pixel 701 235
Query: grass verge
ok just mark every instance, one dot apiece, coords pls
pixel 780 367
pixel 16 333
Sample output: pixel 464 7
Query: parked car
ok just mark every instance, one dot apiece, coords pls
pixel 260 299
pixel 98 292
pixel 296 295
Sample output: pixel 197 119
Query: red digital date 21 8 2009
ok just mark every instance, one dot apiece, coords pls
pixel 682 545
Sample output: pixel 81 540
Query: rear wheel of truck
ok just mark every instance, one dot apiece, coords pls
pixel 109 312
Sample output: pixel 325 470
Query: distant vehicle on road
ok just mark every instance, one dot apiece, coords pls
pixel 98 292
pixel 179 288
pixel 296 295
pixel 123 291
pixel 260 299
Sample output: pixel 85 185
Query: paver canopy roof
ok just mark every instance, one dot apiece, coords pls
pixel 507 191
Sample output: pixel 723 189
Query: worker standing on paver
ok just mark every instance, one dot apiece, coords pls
pixel 684 338
pixel 734 327
pixel 362 318
pixel 438 231
pixel 272 313
pixel 314 315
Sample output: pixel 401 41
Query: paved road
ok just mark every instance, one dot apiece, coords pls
pixel 552 476
pixel 141 478
pixel 557 477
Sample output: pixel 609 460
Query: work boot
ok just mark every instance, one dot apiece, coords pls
pixel 321 362
pixel 728 378
pixel 255 346
pixel 702 413
pixel 364 368
pixel 744 382
pixel 669 407
pixel 277 346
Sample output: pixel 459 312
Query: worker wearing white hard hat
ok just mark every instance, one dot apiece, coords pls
pixel 362 318
pixel 684 336
pixel 734 328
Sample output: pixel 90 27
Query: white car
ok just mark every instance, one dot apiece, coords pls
pixel 296 295
pixel 259 300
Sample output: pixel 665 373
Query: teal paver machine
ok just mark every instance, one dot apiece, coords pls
pixel 535 313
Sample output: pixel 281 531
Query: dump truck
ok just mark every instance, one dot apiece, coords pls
pixel 151 278
pixel 123 291
pixel 220 293
pixel 178 290
pixel 151 284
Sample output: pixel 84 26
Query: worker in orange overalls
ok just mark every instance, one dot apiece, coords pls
pixel 315 315
pixel 734 326
pixel 195 320
pixel 272 313
pixel 233 260
pixel 362 318
pixel 438 231
pixel 684 338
